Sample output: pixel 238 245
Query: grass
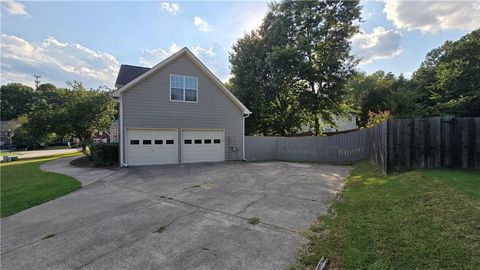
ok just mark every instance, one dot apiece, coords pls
pixel 24 185
pixel 423 219
pixel 254 220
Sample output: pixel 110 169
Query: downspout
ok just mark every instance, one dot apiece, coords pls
pixel 122 133
pixel 243 136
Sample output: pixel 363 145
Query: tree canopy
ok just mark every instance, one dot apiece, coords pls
pixel 84 112
pixel 50 112
pixel 379 92
pixel 448 81
pixel 291 72
pixel 16 99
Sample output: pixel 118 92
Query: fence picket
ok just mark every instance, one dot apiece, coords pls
pixel 394 145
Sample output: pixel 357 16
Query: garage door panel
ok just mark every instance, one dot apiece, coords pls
pixel 150 147
pixel 202 146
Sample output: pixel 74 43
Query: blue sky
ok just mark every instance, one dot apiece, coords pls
pixel 87 41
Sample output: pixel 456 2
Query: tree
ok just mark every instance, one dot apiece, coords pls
pixel 37 128
pixel 448 81
pixel 83 113
pixel 296 63
pixel 379 92
pixel 16 99
pixel 49 94
pixel 261 82
pixel 320 33
pixel 247 80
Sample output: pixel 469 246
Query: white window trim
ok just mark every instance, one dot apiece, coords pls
pixel 183 101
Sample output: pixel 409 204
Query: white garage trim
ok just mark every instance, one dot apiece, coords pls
pixel 207 149
pixel 121 134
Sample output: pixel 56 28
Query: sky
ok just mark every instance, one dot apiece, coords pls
pixel 87 41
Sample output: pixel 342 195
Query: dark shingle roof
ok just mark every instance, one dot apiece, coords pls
pixel 128 73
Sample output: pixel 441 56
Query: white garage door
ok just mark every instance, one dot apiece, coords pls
pixel 151 146
pixel 202 146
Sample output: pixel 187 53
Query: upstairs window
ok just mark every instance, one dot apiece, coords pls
pixel 183 88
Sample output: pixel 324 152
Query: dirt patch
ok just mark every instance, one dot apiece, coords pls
pixel 86 162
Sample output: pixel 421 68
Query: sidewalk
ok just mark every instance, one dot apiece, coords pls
pixel 43 153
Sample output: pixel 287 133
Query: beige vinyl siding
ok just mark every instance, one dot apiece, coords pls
pixel 148 105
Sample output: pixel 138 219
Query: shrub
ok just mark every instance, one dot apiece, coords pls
pixel 104 154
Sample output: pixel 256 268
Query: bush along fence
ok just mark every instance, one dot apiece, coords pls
pixel 394 145
pixel 402 144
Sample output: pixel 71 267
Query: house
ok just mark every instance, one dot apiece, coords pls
pixel 101 137
pixel 114 134
pixel 177 112
pixel 342 123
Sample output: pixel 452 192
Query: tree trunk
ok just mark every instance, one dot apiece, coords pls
pixel 316 120
pixel 316 124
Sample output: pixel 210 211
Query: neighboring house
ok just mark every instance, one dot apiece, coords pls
pixel 101 137
pixel 177 112
pixel 7 127
pixel 342 124
pixel 114 134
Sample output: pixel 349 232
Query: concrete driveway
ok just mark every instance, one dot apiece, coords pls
pixel 173 217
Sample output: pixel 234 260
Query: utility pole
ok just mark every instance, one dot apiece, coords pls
pixel 37 80
pixel 10 137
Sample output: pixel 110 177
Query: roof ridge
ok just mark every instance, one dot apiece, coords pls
pixel 134 66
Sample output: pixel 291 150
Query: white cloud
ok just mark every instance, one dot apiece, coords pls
pixel 214 57
pixel 56 62
pixel 201 24
pixel 379 44
pixel 434 16
pixel 199 51
pixel 152 57
pixel 173 8
pixel 14 8
pixel 245 20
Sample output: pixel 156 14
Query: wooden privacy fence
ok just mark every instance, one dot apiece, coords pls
pixel 348 147
pixel 401 144
pixel 394 145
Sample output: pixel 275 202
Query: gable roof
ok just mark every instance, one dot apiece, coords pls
pixel 185 51
pixel 128 73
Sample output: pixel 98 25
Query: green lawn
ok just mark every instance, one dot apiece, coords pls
pixel 423 219
pixel 24 185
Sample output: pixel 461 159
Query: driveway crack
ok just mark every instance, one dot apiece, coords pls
pixel 264 195
pixel 163 198
pixel 129 242
pixel 81 225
